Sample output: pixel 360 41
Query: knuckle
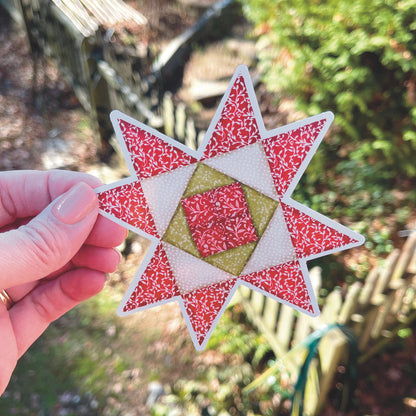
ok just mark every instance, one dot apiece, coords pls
pixel 7 203
pixel 45 306
pixel 46 246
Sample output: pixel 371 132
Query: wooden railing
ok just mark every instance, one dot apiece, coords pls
pixel 375 310
pixel 107 76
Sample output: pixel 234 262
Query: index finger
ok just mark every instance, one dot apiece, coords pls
pixel 26 193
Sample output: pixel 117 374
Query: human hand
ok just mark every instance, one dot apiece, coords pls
pixel 55 252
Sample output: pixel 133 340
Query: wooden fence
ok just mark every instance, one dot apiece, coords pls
pixel 375 310
pixel 107 75
pixel 166 115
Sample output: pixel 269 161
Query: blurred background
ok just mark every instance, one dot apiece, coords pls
pixel 65 64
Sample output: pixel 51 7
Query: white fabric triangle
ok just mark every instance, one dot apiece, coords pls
pixel 248 165
pixel 163 193
pixel 275 246
pixel 192 273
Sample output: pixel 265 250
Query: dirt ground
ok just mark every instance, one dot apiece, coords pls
pixel 41 121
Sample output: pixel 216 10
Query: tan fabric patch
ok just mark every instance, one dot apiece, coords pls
pixel 232 261
pixel 261 208
pixel 204 179
pixel 179 235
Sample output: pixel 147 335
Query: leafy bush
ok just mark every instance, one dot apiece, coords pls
pixel 356 58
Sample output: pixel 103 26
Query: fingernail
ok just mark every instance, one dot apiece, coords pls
pixel 120 256
pixel 75 205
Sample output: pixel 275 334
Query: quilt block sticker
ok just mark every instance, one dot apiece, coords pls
pixel 222 215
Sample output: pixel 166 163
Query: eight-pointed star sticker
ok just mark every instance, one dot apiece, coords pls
pixel 222 215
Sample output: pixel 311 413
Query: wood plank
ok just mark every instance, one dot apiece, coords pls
pixel 201 137
pixel 271 310
pixel 180 122
pixel 357 323
pixel 191 134
pixel 386 272
pixel 382 342
pixel 408 301
pixel 332 352
pixel 257 302
pixel 125 12
pixel 312 389
pixel 168 114
pixel 87 28
pixel 245 292
pixel 277 347
pixel 350 304
pixel 399 299
pixel 201 90
pixel 302 329
pixel 14 8
pixel 315 274
pixel 332 307
pixel 365 335
pixel 369 286
pixel 384 312
pixel 285 326
pixel 412 264
pixel 406 255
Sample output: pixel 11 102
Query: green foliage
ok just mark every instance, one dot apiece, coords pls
pixel 405 333
pixel 74 355
pixel 356 58
pixel 238 352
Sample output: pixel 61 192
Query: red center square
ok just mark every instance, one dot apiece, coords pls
pixel 219 219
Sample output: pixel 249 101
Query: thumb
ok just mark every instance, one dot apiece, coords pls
pixel 49 240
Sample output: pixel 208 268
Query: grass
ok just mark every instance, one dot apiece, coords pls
pixel 74 354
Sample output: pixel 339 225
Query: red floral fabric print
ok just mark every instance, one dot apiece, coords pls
pixel 128 203
pixel 239 230
pixel 210 239
pixel 204 305
pixel 284 281
pixel 199 209
pixel 287 151
pixel 156 283
pixel 150 154
pixel 219 219
pixel 309 236
pixel 237 126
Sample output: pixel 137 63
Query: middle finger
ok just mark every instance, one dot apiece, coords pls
pixel 106 233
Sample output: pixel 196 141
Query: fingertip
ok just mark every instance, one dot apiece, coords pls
pixel 76 204
pixel 113 260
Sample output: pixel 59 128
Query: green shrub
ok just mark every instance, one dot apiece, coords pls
pixel 356 58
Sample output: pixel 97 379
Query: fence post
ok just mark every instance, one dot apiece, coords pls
pixel 191 134
pixel 168 114
pixel 405 257
pixel 180 122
